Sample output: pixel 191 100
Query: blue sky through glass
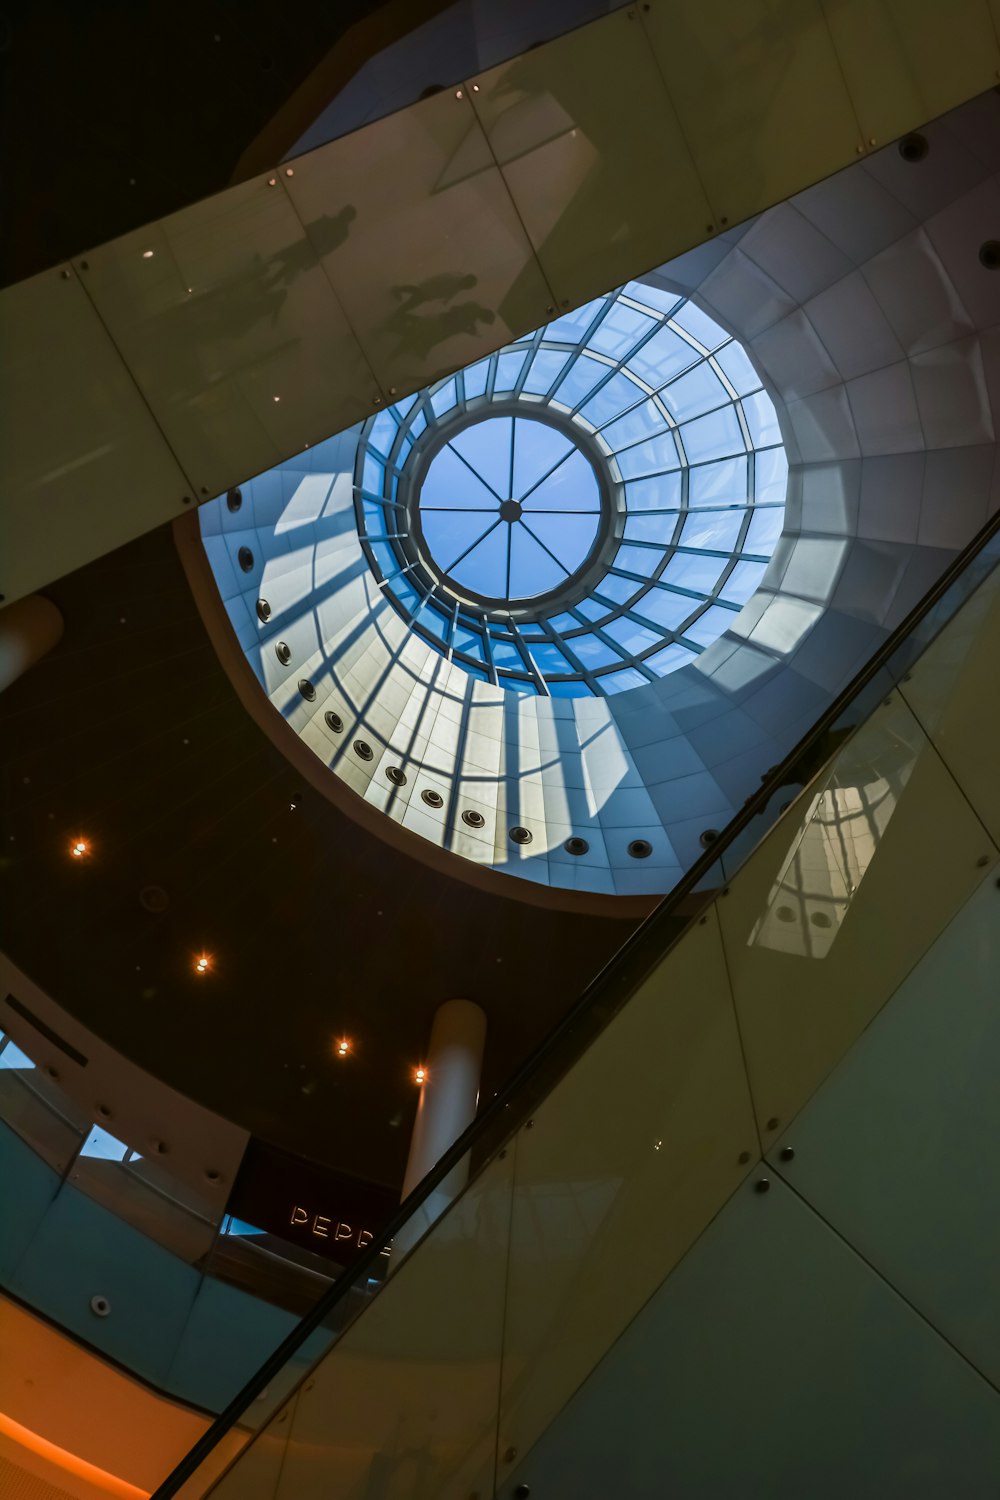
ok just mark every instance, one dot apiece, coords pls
pixel 495 548
pixel 509 508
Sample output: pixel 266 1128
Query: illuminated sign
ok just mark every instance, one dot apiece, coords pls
pixel 323 1226
pixel 326 1212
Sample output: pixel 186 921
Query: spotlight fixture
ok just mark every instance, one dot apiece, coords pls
pixel 343 1047
pixel 420 1074
pixel 80 848
pixel 202 964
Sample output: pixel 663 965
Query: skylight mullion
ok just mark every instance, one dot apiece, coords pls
pixel 541 544
pixel 532 348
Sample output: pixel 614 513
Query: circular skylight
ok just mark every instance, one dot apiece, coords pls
pixel 509 509
pixel 585 510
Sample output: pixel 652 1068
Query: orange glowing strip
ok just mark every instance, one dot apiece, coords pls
pixel 71 1462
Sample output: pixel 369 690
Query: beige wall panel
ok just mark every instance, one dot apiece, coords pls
pixel 953 692
pixel 901 61
pixel 623 1166
pixel 256 1472
pixel 406 1401
pixel 418 234
pixel 759 93
pixel 77 439
pixel 592 153
pixel 841 901
pixel 229 326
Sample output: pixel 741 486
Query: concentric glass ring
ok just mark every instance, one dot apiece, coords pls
pixel 665 413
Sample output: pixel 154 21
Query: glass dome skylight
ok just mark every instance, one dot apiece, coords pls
pixel 515 506
pixel 585 510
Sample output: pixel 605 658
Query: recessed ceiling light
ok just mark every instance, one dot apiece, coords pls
pixel 203 963
pixel 343 1047
pixel 420 1074
pixel 80 848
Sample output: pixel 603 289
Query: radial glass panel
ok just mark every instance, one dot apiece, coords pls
pixel 590 506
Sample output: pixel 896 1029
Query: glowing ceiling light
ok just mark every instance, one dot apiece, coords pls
pixel 343 1047
pixel 147 255
pixel 80 848
pixel 203 964
pixel 420 1075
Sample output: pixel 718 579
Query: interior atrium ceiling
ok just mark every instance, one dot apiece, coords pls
pixel 541 614
pixel 867 309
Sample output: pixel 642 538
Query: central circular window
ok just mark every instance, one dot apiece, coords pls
pixel 586 509
pixel 509 510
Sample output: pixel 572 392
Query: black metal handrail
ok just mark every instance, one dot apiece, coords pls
pixel 603 997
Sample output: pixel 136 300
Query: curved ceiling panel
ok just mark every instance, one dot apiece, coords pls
pixel 865 310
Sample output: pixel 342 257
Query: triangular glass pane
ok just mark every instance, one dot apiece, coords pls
pixel 537 449
pixel 449 533
pixel 453 486
pixel 532 570
pixel 569 536
pixel 486 446
pixel 484 571
pixel 570 486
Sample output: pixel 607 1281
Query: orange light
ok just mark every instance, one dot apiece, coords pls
pixel 343 1047
pixel 203 964
pixel 80 848
pixel 420 1075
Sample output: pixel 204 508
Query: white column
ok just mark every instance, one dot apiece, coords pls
pixel 449 1094
pixel 28 630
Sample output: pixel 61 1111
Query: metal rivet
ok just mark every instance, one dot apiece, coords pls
pixel 550 311
pixel 458 93
pixel 743 1158
pixel 185 499
pixel 702 921
pixel 787 1153
pixel 983 861
pixel 100 1307
pixel 523 1491
pixel 85 265
pixel 773 1123
pixel 528 1124
pixel 64 275
pixel 509 1455
pixel 762 1185
pixel 709 228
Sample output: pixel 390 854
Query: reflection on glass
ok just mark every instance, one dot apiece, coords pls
pixel 812 895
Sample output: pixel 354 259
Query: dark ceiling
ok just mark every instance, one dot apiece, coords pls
pixel 116 112
pixel 131 735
